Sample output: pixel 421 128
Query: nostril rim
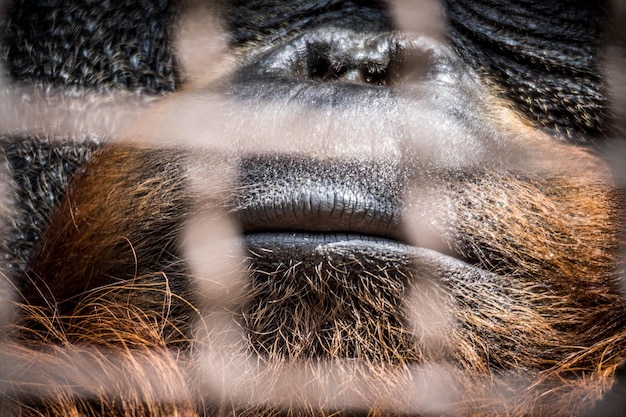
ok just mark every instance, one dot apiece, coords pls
pixel 344 56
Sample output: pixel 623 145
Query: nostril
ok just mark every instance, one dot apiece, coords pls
pixel 376 75
pixel 323 69
pixel 329 66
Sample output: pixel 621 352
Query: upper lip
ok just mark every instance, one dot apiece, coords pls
pixel 280 194
pixel 319 210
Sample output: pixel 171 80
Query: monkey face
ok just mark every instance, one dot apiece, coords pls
pixel 342 217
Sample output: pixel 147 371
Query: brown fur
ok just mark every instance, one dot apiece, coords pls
pixel 99 237
pixel 541 333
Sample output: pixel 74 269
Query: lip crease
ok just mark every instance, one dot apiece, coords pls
pixel 303 212
pixel 309 224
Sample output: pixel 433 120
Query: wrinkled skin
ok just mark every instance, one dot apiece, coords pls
pixel 339 215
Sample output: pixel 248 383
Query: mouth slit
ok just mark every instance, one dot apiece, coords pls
pixel 300 238
pixel 290 246
pixel 313 248
pixel 297 236
pixel 275 249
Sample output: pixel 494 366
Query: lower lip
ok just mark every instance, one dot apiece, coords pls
pixel 278 249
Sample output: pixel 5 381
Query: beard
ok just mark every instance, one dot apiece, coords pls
pixel 513 307
pixel 502 298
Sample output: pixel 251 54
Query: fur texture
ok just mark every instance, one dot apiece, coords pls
pixel 338 220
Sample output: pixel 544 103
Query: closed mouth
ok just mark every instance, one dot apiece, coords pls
pixel 298 210
pixel 337 248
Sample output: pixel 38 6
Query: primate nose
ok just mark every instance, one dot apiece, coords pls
pixel 327 55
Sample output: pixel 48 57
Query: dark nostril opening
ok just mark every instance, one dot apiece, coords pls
pixel 323 69
pixel 343 56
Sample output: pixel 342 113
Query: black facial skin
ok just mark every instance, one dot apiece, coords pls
pixel 401 204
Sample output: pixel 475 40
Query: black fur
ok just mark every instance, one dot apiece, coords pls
pixel 545 55
pixel 125 45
